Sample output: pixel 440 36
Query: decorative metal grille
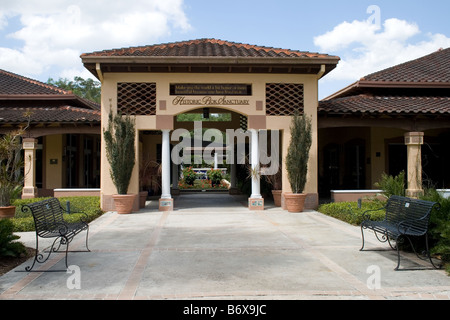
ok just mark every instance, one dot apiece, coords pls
pixel 283 99
pixel 243 122
pixel 137 99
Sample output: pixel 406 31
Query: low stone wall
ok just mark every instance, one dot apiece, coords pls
pixel 352 195
pixel 76 192
pixel 444 192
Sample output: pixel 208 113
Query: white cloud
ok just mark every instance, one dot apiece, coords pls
pixel 365 48
pixel 56 32
pixel 15 61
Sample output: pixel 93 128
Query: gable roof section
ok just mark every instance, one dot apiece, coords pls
pixel 206 48
pixel 386 105
pixel 429 72
pixel 430 69
pixel 417 87
pixel 206 55
pixel 60 114
pixel 46 103
pixel 13 84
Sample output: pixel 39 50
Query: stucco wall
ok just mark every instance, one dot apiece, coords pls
pixel 256 118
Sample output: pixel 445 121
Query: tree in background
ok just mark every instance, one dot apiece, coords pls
pixel 85 88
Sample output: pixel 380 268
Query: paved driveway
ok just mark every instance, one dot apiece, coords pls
pixel 212 247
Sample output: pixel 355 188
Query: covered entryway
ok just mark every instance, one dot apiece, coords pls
pixel 356 151
pixel 157 83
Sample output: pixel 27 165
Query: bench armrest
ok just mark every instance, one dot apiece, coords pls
pixel 62 228
pixel 83 218
pixel 365 215
pixel 408 224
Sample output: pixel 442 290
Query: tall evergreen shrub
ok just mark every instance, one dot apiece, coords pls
pixel 392 185
pixel 298 152
pixel 120 149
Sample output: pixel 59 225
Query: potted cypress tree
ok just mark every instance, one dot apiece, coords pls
pixel 120 151
pixel 297 161
pixel 11 170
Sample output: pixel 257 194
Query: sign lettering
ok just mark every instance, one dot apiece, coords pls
pixel 213 89
pixel 210 101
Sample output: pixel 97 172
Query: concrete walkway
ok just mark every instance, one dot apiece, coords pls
pixel 212 247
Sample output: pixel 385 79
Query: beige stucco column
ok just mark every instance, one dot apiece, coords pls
pixel 166 201
pixel 256 201
pixel 256 181
pixel 414 141
pixel 29 188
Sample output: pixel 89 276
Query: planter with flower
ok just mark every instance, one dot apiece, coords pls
pixel 215 176
pixel 189 176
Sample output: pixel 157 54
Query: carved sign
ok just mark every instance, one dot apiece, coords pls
pixel 210 101
pixel 210 89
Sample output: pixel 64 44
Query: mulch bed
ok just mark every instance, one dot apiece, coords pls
pixel 9 263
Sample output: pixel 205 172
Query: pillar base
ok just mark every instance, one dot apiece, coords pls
pixel 29 193
pixel 166 204
pixel 233 191
pixel 414 193
pixel 256 203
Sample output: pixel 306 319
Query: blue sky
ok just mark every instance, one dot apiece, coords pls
pixel 45 38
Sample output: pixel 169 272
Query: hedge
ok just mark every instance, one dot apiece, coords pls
pixel 439 229
pixel 351 213
pixel 78 205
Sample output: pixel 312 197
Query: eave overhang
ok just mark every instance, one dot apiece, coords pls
pixel 294 65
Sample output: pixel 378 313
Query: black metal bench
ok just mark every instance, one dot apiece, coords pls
pixel 405 218
pixel 50 223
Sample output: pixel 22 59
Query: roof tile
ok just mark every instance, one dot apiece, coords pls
pixel 432 68
pixel 50 114
pixel 377 105
pixel 13 84
pixel 206 48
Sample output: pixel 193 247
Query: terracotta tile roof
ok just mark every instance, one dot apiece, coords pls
pixel 64 114
pixel 13 84
pixel 393 105
pixel 206 48
pixel 432 68
pixel 429 72
pixel 47 103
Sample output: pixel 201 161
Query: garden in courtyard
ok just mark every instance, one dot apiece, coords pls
pixel 204 179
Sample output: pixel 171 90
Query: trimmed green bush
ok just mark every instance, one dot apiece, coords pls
pixel 350 213
pixel 8 246
pixel 78 205
pixel 440 226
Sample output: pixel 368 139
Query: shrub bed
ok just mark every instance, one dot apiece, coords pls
pixel 439 229
pixel 350 213
pixel 78 205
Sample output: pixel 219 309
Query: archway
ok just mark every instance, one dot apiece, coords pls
pixel 206 129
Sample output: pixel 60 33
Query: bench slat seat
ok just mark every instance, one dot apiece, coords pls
pixel 70 230
pixel 404 218
pixel 48 215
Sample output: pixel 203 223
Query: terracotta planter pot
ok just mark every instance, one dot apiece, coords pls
pixel 124 203
pixel 277 197
pixel 295 202
pixel 142 198
pixel 7 212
